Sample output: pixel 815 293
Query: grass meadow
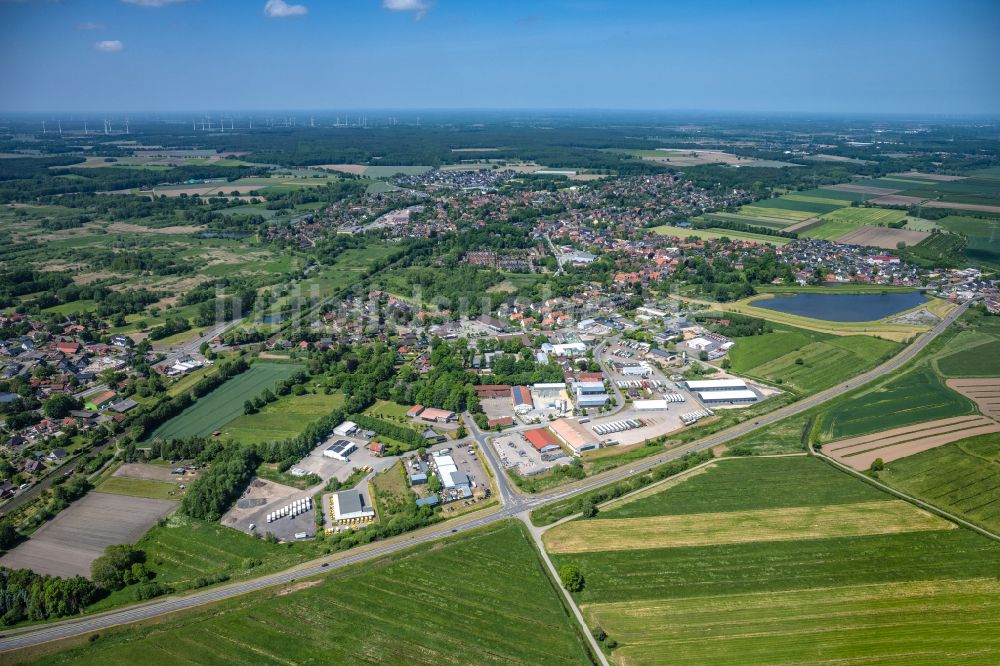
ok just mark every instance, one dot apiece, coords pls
pixel 807 361
pixel 287 417
pixel 435 604
pixel 925 595
pixel 225 403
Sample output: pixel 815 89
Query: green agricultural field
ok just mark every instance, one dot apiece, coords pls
pixel 763 209
pixel 962 477
pixel 389 171
pixel 283 419
pixel 807 361
pixel 847 197
pixel 974 352
pixel 872 597
pixel 225 403
pixel 394 611
pixel 800 203
pixel 720 233
pixel 983 234
pixel 744 219
pixel 844 220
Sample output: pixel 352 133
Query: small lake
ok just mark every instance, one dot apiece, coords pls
pixel 842 307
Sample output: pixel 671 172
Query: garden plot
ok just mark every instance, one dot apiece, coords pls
pixel 70 542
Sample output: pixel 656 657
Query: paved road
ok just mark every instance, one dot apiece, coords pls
pixel 514 505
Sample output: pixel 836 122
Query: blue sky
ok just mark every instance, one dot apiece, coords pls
pixel 910 57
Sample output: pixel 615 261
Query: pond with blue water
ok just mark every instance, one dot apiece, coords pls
pixel 843 307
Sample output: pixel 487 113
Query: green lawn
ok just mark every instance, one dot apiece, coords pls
pixel 225 403
pixel 962 477
pixel 282 419
pixel 875 598
pixel 435 604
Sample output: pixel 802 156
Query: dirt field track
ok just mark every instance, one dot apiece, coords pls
pixel 860 452
pixel 929 176
pixel 356 169
pixel 984 392
pixel 863 189
pixel 884 237
pixel 963 206
pixel 897 200
pixel 66 545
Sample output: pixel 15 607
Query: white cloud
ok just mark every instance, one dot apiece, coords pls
pixel 418 6
pixel 88 25
pixel 281 9
pixel 109 46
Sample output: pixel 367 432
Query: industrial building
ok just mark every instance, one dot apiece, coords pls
pixel 345 429
pixel 434 415
pixel 520 396
pixel 487 391
pixel 590 394
pixel 542 439
pixel 649 405
pixel 729 396
pixel 636 369
pixel 350 506
pixel 451 477
pixel 717 385
pixel 574 435
pixel 340 450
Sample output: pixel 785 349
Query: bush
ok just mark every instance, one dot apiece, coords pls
pixel 571 577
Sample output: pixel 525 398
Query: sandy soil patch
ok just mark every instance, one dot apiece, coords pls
pixel 984 392
pixel 70 542
pixel 148 472
pixel 963 206
pixel 860 452
pixel 928 176
pixel 864 189
pixel 356 169
pixel 898 200
pixel 884 237
pixel 298 586
pixel 125 227
pixel 709 529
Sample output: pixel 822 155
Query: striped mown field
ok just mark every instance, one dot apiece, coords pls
pixel 783 561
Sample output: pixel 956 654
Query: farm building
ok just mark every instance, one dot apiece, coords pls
pixel 717 397
pixel 487 391
pixel 649 405
pixel 574 435
pixel 542 439
pixel 340 450
pixel 717 385
pixel 345 429
pixel 433 415
pixel 431 500
pixel 414 412
pixel 100 401
pixel 521 397
pixel 351 505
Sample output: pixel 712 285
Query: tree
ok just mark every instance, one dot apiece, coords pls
pixel 249 407
pixel 877 465
pixel 120 565
pixel 571 577
pixel 461 432
pixel 60 405
pixel 588 509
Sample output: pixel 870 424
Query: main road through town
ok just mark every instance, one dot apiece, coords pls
pixel 513 504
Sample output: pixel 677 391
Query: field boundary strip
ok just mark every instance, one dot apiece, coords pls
pixel 735 527
pixel 985 392
pixel 899 435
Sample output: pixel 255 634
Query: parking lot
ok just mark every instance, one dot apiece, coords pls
pixel 328 468
pixel 263 497
pixel 516 452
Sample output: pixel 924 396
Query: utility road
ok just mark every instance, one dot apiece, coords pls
pixel 514 504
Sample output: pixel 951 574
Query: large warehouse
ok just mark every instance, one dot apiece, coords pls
pixel 340 450
pixel 716 397
pixel 574 435
pixel 717 385
pixel 351 505
pixel 542 439
pixel 649 405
